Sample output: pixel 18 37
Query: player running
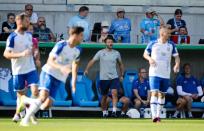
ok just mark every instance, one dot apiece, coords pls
pixel 159 54
pixel 63 59
pixel 19 47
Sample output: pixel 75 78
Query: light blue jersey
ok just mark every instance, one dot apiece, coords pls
pixel 121 29
pixel 149 26
pixel 82 22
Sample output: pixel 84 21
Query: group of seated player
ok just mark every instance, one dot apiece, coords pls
pixel 188 89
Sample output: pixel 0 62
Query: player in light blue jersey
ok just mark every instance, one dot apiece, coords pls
pixel 63 59
pixel 19 49
pixel 159 54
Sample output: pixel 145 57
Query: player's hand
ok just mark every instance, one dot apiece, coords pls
pixel 176 68
pixel 152 62
pixel 26 52
pixel 38 63
pixel 121 79
pixel 86 72
pixel 194 96
pixel 65 69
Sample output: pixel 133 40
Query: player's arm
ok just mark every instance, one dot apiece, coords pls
pixel 160 19
pixel 9 54
pixel 181 92
pixel 37 57
pixel 90 64
pixel 148 96
pixel 75 66
pixel 65 69
pixel 148 57
pixel 137 95
pixel 177 64
pixel 121 68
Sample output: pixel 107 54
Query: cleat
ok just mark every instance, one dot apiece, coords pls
pixel 24 124
pixel 33 120
pixel 16 118
pixel 154 119
pixel 114 115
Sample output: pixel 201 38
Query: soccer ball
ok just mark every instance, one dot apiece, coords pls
pixel 133 113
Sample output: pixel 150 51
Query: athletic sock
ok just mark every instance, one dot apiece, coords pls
pixel 153 105
pixel 160 105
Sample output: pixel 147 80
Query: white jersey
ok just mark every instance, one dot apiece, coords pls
pixel 17 43
pixel 162 54
pixel 65 55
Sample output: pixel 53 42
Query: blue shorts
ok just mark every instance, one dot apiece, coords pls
pixel 106 85
pixel 158 84
pixel 49 83
pixel 19 80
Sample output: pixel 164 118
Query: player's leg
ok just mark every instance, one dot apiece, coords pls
pixel 32 81
pixel 104 89
pixel 160 104
pixel 189 101
pixel 125 101
pixel 45 85
pixel 180 106
pixel 154 88
pixel 164 84
pixel 108 100
pixel 114 87
pixel 137 103
pixel 22 99
pixel 114 93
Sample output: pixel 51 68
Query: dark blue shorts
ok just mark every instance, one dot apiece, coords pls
pixel 106 85
pixel 19 80
pixel 158 84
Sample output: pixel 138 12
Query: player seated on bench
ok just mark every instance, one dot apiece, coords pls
pixel 141 90
pixel 189 90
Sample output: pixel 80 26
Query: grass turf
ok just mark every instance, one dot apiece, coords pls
pixel 70 124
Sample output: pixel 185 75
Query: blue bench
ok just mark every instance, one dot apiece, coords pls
pixel 84 94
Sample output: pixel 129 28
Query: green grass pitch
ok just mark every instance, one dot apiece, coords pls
pixel 75 124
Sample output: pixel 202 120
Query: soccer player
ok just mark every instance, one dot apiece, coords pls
pixel 122 99
pixel 159 54
pixel 109 79
pixel 141 90
pixel 189 90
pixel 19 51
pixel 63 59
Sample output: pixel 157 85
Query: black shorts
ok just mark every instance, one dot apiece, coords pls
pixel 106 85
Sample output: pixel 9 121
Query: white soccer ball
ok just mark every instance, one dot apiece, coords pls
pixel 133 113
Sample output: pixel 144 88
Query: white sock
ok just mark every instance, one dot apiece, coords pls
pixel 114 109
pixel 104 112
pixel 17 101
pixel 190 114
pixel 122 113
pixel 160 105
pixel 34 107
pixel 42 107
pixel 153 105
pixel 176 113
